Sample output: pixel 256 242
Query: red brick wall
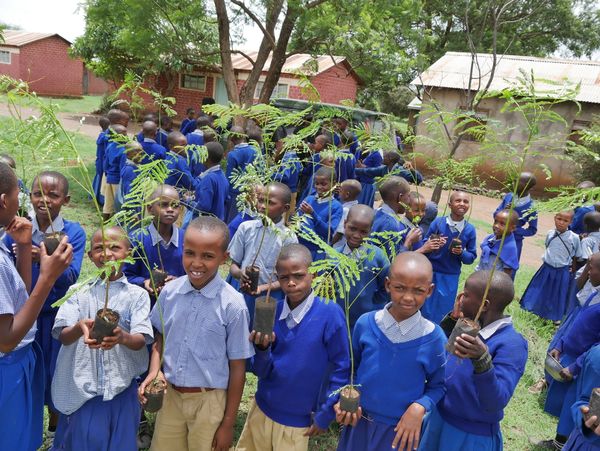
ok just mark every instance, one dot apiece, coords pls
pixel 12 69
pixel 97 85
pixel 186 98
pixel 335 85
pixel 46 65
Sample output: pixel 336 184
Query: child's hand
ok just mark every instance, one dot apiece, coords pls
pixel 306 208
pixel 223 438
pixel 261 341
pixel 566 374
pixel 148 380
pixel 590 420
pixel 468 347
pixel 148 287
pixel 346 418
pixel 245 281
pixel 52 266
pixel 555 353
pixel 314 430
pixel 111 341
pixel 360 164
pixel 169 279
pixel 413 236
pixel 19 230
pixel 86 325
pixel 408 429
pixel 456 250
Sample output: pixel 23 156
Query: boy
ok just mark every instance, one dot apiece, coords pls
pixel 104 123
pixel 577 224
pixel 96 414
pixel 395 195
pixel 308 350
pixel 49 193
pixel 349 193
pixel 152 150
pixel 212 187
pixel 180 175
pixel 21 398
pixel 205 324
pixel 133 153
pixel 448 256
pixel 345 161
pixel 196 137
pixel 525 209
pixel 189 119
pixel 509 256
pixel 240 155
pixel 414 213
pixel 160 245
pixel 245 248
pixel 480 382
pixel 591 243
pixel 112 168
pixel 321 213
pixel 392 342
pixel 371 160
pixel 289 174
pixel 368 293
pixel 165 124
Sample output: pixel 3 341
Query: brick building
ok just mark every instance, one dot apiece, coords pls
pixel 42 60
pixel 332 76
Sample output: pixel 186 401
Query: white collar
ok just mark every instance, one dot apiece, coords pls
pixel 300 311
pixel 388 210
pixel 198 132
pixel 405 326
pixel 209 170
pixel 156 238
pixel 350 203
pixel 58 225
pixel 149 140
pixel 322 200
pixel 523 200
pixel 494 327
pixel 407 222
pixel 458 225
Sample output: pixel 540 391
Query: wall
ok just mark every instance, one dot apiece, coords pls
pixel 97 85
pixel 12 69
pixel 334 85
pixel 186 98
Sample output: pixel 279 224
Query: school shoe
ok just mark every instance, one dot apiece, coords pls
pixel 539 387
pixel 550 444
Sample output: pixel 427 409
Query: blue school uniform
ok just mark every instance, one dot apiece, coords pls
pixel 195 138
pixel 152 151
pixel 311 350
pixel 345 165
pixel 386 220
pixel 161 138
pixel 185 124
pixel 115 159
pixel 577 225
pixel 367 194
pixel 323 221
pixel 509 257
pixel 447 266
pixel 21 370
pixel 525 208
pixel 469 415
pixel 239 219
pixel 384 349
pixel 548 293
pixel 101 143
pixel 289 171
pixel 212 194
pixel 180 175
pixel 128 175
pixel 238 158
pixel 353 147
pixel 368 293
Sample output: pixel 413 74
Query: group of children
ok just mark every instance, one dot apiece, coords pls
pixel 183 324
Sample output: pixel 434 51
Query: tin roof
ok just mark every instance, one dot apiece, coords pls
pixel 299 62
pixel 452 71
pixel 19 38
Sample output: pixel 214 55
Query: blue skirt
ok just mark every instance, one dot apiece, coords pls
pixel 577 442
pixel 101 425
pixel 367 195
pixel 438 435
pixel 547 295
pixel 368 435
pixel 50 348
pixel 22 399
pixel 441 301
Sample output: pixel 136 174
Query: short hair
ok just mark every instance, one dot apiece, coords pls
pixel 455 192
pixel 211 224
pixel 122 234
pixel 8 178
pixel 325 171
pixel 286 193
pixel 530 177
pixel 414 196
pixel 103 122
pixel 173 137
pixel 501 291
pixel 208 101
pixel 586 184
pixel 165 120
pixel 209 136
pixel 591 220
pixel 513 216
pixel 255 134
pixel 353 186
pixel 149 128
pixel 347 138
pixel 215 151
pixel 392 155
pixel 237 134
pixel 362 211
pixel 133 145
pixel 115 115
pixel 393 186
pixel 5 158
pixel 160 191
pixel 202 122
pixel 190 110
pixel 325 138
pixel 413 259
pixel 119 129
pixel 62 180
pixel 295 251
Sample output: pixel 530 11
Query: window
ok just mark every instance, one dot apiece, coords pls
pixel 195 82
pixel 576 129
pixel 280 91
pixel 4 57
pixel 472 124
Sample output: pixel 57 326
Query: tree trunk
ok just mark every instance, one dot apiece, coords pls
pixel 225 48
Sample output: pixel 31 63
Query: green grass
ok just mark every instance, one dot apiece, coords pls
pixel 84 104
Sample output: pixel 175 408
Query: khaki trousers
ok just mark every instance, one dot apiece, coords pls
pixel 109 192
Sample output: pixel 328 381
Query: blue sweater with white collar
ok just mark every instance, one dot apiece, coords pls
pixel 443 260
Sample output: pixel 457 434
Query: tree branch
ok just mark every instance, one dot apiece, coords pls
pixel 256 20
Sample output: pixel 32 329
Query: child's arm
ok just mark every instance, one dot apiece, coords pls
pixel 154 370
pixel 237 378
pixel 469 250
pixel 205 196
pixel 532 224
pixel 325 226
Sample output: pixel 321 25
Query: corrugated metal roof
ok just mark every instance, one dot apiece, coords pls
pixel 452 71
pixel 19 38
pixel 292 64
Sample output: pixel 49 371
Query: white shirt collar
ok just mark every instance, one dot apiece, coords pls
pixel 407 222
pixel 149 140
pixel 198 132
pixel 209 170
pixel 458 225
pixel 156 238
pixel 57 225
pixel 405 326
pixel 494 327
pixel 523 200
pixel 388 210
pixel 299 312
pixel 322 200
pixel 350 203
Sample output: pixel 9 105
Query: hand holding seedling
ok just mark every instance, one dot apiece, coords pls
pixel 590 421
pixel 468 347
pixel 245 281
pixel 430 245
pixel 456 250
pixel 86 325
pixel 408 429
pixel 555 353
pixel 346 418
pixel 566 374
pixel 261 341
pixel 306 208
pixel 52 266
pixel 151 377
pixel 314 430
pixel 19 230
pixel 360 164
pixel 110 342
pixel 412 237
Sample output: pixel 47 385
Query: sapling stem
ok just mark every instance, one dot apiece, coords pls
pixel 46 206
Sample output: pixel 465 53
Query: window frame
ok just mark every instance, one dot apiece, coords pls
pixel 9 53
pixel 191 74
pixel 261 83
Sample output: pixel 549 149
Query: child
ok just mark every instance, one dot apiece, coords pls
pixel 94 386
pixel 349 193
pixel 345 162
pixel 525 209
pixel 212 187
pixel 133 153
pixel 577 224
pixel 165 124
pixel 24 201
pixel 180 175
pixel 394 195
pixel 483 372
pixel 415 211
pixel 308 350
pixel 101 141
pixel 368 293
pixel 152 150
pixel 254 193
pixel 547 295
pixel 21 365
pixel 289 174
pixel 241 155
pixel 591 243
pixel 160 245
pixel 205 326
pixel 190 118
pixel 196 137
pixel 49 193
pixel 321 213
pixel 245 248
pixel 113 162
pixel 399 361
pixel 509 256
pixel 371 160
pixel 448 256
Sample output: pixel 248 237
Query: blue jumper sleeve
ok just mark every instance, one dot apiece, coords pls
pixel 262 362
pixel 435 387
pixel 323 226
pixel 378 171
pixel 77 239
pixel 469 253
pixel 205 193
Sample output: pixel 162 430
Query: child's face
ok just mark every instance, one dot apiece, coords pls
pixel 459 204
pixel 356 229
pixel 191 114
pixel 203 252
pixel 417 210
pixel 48 196
pixel 275 208
pixel 501 222
pixel 594 271
pixel 562 221
pixel 319 145
pixel 322 185
pixel 179 146
pixel 408 289
pixel 345 194
pixel 166 209
pixel 115 247
pixel 294 278
pixel 471 299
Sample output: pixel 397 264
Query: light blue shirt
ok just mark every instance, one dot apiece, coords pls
pixel 402 331
pixel 13 293
pixel 83 373
pixel 561 248
pixel 246 241
pixel 346 209
pixel 294 317
pixel 590 245
pixel 37 235
pixel 156 238
pixel 203 330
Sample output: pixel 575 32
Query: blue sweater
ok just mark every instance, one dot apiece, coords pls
pixel 302 360
pixel 443 260
pixel 185 125
pixel 583 334
pixel 195 139
pixel 527 216
pixel 101 142
pixel 212 192
pixel 113 162
pixel 588 380
pixel 289 171
pixel 394 375
pixel 180 175
pixel 319 222
pixel 577 223
pixel 76 236
pixel 489 249
pixel 241 155
pixel 383 222
pixel 128 175
pixel 475 403
pixel 372 160
pixel 368 293
pixel 153 151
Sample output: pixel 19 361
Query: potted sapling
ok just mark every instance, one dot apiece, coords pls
pixel 594 406
pixel 264 312
pixel 52 238
pixel 106 319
